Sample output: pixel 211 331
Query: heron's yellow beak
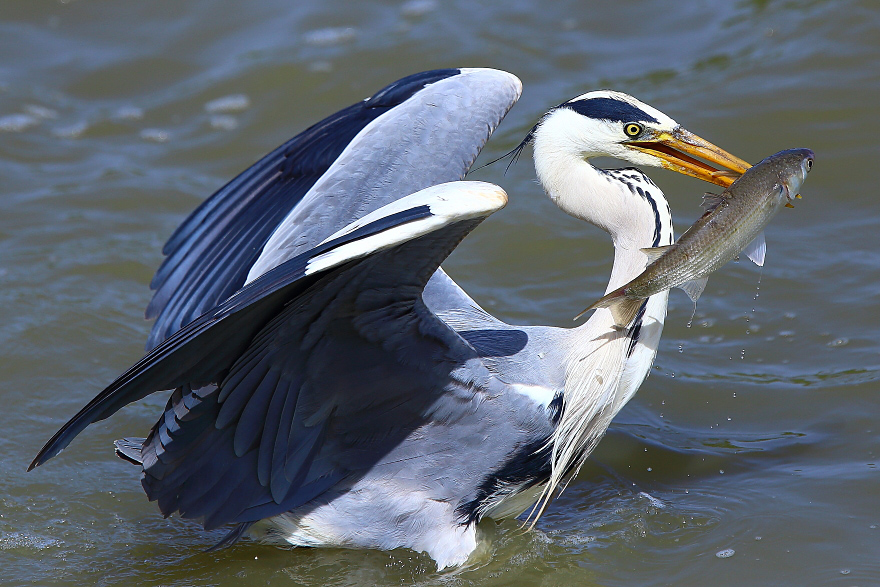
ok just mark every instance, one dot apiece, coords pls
pixel 677 150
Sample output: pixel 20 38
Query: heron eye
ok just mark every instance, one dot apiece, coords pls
pixel 633 130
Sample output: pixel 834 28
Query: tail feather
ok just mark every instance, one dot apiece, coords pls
pixel 129 449
pixel 623 309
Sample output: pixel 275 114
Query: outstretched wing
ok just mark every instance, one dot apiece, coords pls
pixel 310 373
pixel 422 130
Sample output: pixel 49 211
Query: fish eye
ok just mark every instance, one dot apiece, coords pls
pixel 809 165
pixel 633 129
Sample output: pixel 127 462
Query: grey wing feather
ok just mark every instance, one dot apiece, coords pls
pixel 337 349
pixel 211 254
pixel 432 138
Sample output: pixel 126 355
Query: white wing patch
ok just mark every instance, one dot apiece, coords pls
pixel 538 393
pixel 448 202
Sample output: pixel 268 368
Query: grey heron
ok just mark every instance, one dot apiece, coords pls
pixel 331 384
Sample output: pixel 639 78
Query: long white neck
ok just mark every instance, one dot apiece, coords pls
pixel 604 365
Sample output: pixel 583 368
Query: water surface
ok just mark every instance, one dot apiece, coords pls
pixel 748 457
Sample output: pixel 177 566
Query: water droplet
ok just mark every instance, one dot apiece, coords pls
pixel 839 342
pixel 721 471
pixel 726 553
pixel 649 469
pixel 844 571
pixel 680 348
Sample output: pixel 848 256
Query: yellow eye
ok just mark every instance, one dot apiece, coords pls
pixel 633 130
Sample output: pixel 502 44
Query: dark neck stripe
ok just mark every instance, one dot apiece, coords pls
pixel 657 224
pixel 636 329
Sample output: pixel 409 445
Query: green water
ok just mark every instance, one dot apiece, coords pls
pixel 758 430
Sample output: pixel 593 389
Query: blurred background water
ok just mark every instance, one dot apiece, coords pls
pixel 749 457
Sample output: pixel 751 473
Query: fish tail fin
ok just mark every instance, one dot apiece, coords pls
pixel 623 309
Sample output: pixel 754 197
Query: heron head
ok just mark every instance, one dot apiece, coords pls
pixel 614 124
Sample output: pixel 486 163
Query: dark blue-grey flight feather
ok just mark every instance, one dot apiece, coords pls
pixel 423 130
pixel 299 381
pixel 209 255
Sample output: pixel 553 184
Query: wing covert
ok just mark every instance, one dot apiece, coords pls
pixel 323 179
pixel 317 355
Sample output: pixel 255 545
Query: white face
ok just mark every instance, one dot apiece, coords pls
pixel 662 121
pixel 607 121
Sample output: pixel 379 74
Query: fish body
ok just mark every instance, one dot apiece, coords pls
pixel 732 224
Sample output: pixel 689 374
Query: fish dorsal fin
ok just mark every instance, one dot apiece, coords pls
pixel 755 250
pixel 694 288
pixel 655 253
pixel 712 201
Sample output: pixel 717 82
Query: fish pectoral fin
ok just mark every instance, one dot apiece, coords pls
pixel 694 288
pixel 788 205
pixel 756 249
pixel 712 201
pixel 624 311
pixel 655 253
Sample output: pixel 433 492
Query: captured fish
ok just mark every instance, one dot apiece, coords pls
pixel 733 222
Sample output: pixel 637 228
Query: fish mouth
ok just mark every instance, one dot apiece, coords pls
pixel 677 151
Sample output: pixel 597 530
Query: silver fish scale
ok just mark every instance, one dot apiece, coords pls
pixel 723 232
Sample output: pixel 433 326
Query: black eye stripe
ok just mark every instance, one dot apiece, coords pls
pixel 609 109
